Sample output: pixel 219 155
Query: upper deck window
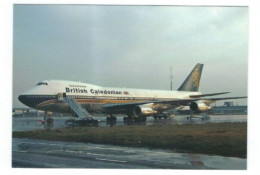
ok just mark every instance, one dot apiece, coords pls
pixel 42 83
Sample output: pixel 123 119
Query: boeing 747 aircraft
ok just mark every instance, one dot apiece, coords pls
pixel 80 99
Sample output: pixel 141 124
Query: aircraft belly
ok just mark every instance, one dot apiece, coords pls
pixel 56 107
pixel 99 108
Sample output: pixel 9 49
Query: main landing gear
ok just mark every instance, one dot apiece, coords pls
pixel 133 119
pixel 111 118
pixel 128 119
pixel 87 121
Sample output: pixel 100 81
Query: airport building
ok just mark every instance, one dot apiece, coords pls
pixel 29 112
pixel 229 109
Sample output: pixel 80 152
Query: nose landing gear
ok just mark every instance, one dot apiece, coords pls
pixel 47 120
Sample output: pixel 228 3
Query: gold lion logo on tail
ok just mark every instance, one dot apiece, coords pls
pixel 195 77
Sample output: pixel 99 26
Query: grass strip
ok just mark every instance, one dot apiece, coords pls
pixel 225 139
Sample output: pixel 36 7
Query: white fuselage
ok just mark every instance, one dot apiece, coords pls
pixel 44 96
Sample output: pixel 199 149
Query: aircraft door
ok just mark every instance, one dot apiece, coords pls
pixel 61 96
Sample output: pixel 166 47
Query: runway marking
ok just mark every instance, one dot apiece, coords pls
pixel 110 160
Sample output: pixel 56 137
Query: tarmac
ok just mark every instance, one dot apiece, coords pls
pixel 32 153
pixel 31 123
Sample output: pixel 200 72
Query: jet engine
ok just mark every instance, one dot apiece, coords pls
pixel 199 106
pixel 144 110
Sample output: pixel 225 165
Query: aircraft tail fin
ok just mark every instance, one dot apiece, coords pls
pixel 192 82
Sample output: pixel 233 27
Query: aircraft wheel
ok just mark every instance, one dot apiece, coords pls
pixel 113 118
pixel 137 119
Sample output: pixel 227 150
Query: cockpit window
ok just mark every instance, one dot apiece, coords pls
pixel 42 83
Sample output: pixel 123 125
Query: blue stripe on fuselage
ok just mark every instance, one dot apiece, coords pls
pixel 33 100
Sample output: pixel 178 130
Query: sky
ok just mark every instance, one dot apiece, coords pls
pixel 131 46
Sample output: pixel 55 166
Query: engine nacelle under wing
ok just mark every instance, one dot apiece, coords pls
pixel 199 106
pixel 144 110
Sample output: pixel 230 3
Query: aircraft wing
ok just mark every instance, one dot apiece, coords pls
pixel 177 102
pixel 132 105
pixel 204 95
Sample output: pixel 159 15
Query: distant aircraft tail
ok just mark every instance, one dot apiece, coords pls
pixel 192 82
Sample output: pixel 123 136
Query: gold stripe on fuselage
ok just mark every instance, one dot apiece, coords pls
pixel 107 101
pixel 48 102
pixel 89 101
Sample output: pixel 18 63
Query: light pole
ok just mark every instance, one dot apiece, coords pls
pixel 171 76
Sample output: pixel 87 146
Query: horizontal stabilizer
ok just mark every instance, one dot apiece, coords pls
pixel 204 95
pixel 224 98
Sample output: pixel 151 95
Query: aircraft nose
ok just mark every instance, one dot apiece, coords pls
pixel 22 99
pixel 26 100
